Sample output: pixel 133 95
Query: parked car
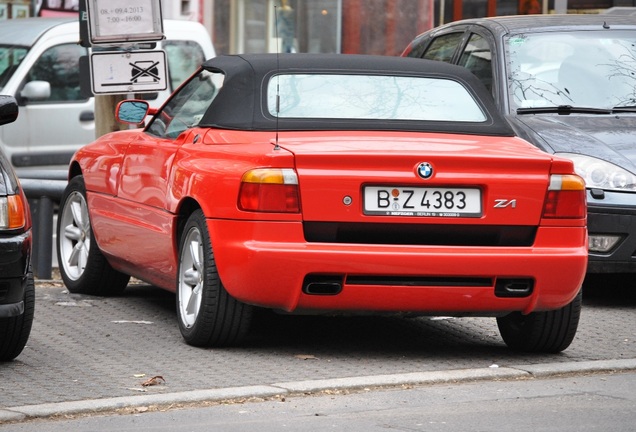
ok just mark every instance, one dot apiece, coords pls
pixel 39 66
pixel 17 287
pixel 566 83
pixel 325 184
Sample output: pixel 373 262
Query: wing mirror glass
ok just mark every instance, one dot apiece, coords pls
pixel 132 111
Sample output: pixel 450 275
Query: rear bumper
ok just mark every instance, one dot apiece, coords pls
pixel 266 264
pixel 15 255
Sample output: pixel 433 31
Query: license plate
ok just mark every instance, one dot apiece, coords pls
pixel 422 201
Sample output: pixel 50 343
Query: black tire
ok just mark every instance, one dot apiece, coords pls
pixel 208 315
pixel 83 267
pixel 15 331
pixel 542 332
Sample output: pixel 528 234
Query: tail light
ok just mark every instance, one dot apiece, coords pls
pixel 269 190
pixel 565 198
pixel 12 212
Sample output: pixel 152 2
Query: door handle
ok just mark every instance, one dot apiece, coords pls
pixel 87 116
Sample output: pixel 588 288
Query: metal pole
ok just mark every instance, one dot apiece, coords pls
pixel 42 195
pixel 44 239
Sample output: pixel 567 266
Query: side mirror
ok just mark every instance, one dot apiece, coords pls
pixel 132 111
pixel 8 109
pixel 36 91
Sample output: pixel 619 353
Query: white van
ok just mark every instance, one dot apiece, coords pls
pixel 39 66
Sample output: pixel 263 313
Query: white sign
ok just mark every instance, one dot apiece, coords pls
pixel 129 72
pixel 121 21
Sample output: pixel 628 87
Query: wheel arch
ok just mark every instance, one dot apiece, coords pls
pixel 74 170
pixel 186 207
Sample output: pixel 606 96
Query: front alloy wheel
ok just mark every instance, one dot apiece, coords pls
pixel 82 266
pixel 75 241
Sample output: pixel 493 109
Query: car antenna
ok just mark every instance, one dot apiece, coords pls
pixel 276 146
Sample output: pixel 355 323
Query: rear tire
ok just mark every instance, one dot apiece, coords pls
pixel 82 266
pixel 542 332
pixel 15 331
pixel 208 314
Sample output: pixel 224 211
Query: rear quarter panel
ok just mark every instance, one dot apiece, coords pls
pixel 211 172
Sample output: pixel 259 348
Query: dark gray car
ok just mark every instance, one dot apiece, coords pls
pixel 566 83
pixel 17 288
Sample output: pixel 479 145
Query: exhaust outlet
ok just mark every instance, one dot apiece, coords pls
pixel 322 284
pixel 514 287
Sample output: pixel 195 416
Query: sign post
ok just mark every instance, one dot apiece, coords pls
pixel 122 24
pixel 115 29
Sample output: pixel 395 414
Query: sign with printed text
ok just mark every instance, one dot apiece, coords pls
pixel 128 71
pixel 124 21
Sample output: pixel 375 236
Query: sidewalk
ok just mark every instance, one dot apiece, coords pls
pixel 303 388
pixel 90 354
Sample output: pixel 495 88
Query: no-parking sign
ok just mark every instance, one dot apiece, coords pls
pixel 128 71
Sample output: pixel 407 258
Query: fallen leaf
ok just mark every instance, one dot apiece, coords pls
pixel 306 357
pixel 155 380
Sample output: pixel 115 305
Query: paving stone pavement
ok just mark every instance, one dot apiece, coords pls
pixel 90 348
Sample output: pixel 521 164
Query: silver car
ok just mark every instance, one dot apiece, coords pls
pixel 39 66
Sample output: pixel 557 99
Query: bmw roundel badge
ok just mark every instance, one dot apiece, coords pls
pixel 425 170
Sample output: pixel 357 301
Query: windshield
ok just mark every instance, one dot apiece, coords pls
pixel 371 97
pixel 10 58
pixel 595 69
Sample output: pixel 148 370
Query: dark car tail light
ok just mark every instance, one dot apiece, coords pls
pixel 269 190
pixel 12 212
pixel 565 198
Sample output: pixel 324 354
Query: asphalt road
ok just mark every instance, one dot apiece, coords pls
pixel 598 402
pixel 91 353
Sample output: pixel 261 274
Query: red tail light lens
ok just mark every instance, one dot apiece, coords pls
pixel 269 190
pixel 565 198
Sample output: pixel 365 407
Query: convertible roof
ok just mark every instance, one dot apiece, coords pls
pixel 241 102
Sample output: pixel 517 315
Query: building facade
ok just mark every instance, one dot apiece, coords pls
pixel 315 26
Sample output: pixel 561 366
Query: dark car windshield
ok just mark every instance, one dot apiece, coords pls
pixel 10 58
pixel 592 69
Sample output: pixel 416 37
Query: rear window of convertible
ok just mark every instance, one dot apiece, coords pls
pixel 371 97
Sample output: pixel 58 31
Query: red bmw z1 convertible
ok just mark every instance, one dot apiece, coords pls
pixel 317 183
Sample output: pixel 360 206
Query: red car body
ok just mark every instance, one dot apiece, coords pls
pixel 310 246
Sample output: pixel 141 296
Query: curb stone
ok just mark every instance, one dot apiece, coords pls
pixel 21 413
pixel 551 369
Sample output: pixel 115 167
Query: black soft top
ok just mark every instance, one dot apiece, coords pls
pixel 241 102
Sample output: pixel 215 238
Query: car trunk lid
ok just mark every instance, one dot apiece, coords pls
pixel 509 177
